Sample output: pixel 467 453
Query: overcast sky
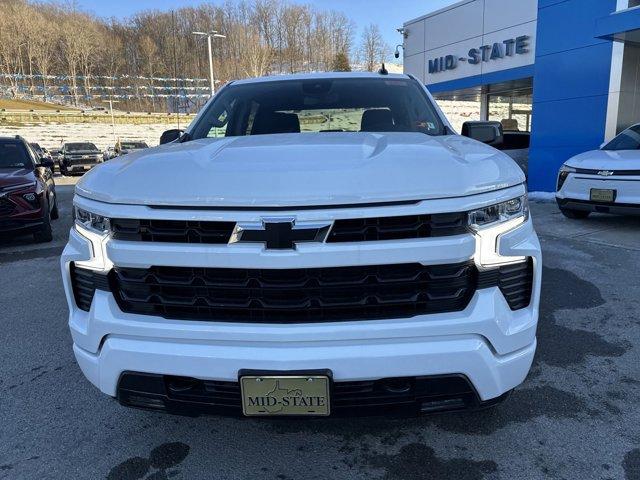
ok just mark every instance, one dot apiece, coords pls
pixel 388 14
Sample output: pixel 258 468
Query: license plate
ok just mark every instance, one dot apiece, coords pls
pixel 285 395
pixel 87 167
pixel 601 195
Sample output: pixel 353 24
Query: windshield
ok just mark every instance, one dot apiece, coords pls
pixel 324 105
pixel 71 147
pixel 627 140
pixel 133 145
pixel 14 155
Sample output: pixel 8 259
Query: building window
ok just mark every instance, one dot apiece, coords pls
pixel 513 109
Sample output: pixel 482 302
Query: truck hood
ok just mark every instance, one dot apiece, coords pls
pixel 302 169
pixel 607 160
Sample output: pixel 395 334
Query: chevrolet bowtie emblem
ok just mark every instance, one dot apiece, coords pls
pixel 279 233
pixel 605 173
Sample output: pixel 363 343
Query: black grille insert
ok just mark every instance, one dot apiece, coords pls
pixel 516 284
pixel 300 295
pixel 396 228
pixel 84 283
pixel 178 231
pixel 350 230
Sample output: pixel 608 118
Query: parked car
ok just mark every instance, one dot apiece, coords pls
pixel 606 180
pixel 108 154
pixel 338 249
pixel 78 157
pixel 41 152
pixel 128 146
pixel 27 191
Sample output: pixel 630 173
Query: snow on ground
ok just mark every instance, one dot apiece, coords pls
pixel 52 135
pixel 542 197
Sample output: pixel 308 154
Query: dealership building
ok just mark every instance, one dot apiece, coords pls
pixel 568 71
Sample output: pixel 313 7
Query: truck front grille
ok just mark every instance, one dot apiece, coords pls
pixel 178 231
pixel 350 230
pixel 301 295
pixel 70 161
pixel 396 228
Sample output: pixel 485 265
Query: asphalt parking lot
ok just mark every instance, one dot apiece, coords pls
pixel 575 417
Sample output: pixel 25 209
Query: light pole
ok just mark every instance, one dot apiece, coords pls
pixel 210 35
pixel 113 120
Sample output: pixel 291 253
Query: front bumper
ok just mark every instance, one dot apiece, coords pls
pixel 487 343
pixel 79 165
pixel 369 350
pixel 390 396
pixel 575 193
pixel 78 168
pixel 599 207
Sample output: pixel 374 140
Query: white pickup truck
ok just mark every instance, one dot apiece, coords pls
pixel 311 245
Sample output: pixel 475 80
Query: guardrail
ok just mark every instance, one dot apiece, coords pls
pixel 72 116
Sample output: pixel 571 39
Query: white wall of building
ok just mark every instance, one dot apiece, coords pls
pixel 467 25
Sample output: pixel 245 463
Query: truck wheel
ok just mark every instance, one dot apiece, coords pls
pixel 574 214
pixel 44 234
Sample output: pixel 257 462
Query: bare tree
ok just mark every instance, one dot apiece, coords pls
pixel 11 43
pixel 149 54
pixel 71 50
pixel 256 56
pixel 45 44
pixel 68 51
pixel 89 47
pixel 373 49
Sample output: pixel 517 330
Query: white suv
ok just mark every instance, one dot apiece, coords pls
pixel 606 180
pixel 311 245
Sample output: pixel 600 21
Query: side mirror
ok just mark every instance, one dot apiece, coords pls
pixel 46 162
pixel 490 133
pixel 170 136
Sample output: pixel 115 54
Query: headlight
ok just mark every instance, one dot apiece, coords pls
pixel 563 174
pixel 91 221
pixel 499 213
pixel 94 228
pixel 489 223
